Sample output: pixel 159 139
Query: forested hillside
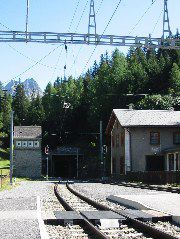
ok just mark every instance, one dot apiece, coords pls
pixel 147 78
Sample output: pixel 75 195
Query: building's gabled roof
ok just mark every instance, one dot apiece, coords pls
pixel 144 118
pixel 27 132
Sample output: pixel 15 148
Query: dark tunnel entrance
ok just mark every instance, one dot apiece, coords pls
pixel 66 163
pixel 64 166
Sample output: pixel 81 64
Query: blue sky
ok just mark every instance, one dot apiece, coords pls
pixel 55 16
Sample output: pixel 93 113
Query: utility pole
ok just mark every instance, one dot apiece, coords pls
pixel 77 163
pixel 47 161
pixel 11 147
pixel 101 148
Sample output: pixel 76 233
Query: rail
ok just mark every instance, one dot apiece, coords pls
pixel 155 233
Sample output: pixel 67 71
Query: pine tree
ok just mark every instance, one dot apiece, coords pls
pixel 36 111
pixel 20 106
pixel 175 79
pixel 6 111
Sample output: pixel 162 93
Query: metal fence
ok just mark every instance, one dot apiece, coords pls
pixel 155 177
pixel 3 176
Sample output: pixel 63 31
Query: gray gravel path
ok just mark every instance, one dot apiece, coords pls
pixel 101 191
pixel 22 200
pixel 27 189
pixel 15 229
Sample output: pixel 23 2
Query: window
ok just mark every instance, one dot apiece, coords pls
pixel 30 144
pixel 18 144
pixel 177 162
pixel 36 144
pixel 24 143
pixel 176 138
pixel 154 138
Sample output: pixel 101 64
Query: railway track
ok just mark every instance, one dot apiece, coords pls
pixel 147 186
pixel 128 228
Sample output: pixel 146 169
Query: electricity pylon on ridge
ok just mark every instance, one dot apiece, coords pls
pixel 166 26
pixel 92 19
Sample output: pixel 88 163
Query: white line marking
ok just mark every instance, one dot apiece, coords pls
pixel 43 232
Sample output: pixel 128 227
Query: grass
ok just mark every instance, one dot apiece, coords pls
pixel 4 154
pixel 6 183
pixel 4 161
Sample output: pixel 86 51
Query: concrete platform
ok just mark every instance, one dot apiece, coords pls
pixel 64 218
pixel 68 215
pixel 105 219
pixel 137 214
pixel 166 203
pixel 96 215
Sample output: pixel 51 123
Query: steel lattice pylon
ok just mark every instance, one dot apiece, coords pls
pixel 92 19
pixel 166 25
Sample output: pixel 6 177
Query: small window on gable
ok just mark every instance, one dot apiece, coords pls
pixel 24 144
pixel 30 144
pixel 154 138
pixel 176 138
pixel 18 143
pixel 36 144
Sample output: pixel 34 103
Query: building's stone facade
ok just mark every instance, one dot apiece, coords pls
pixel 27 152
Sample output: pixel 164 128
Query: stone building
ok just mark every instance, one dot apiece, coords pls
pixel 27 151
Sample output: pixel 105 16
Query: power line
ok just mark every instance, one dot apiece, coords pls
pixel 157 22
pixel 80 19
pixel 99 6
pixel 75 11
pixel 77 5
pixel 103 33
pixel 142 17
pixel 75 59
pixel 29 58
pixel 22 54
pixel 38 62
pixel 82 15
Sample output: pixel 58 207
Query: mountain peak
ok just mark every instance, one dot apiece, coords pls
pixel 31 87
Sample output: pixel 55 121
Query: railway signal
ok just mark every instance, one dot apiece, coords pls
pixel 46 150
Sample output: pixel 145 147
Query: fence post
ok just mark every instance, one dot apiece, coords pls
pixel 1 178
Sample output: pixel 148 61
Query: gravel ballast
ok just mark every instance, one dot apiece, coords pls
pixel 163 201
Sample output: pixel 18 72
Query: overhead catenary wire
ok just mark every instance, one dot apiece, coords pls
pixel 132 29
pixel 77 55
pixel 77 5
pixel 102 34
pixel 157 22
pixel 57 62
pixel 29 58
pixel 38 62
pixel 20 53
pixel 80 19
